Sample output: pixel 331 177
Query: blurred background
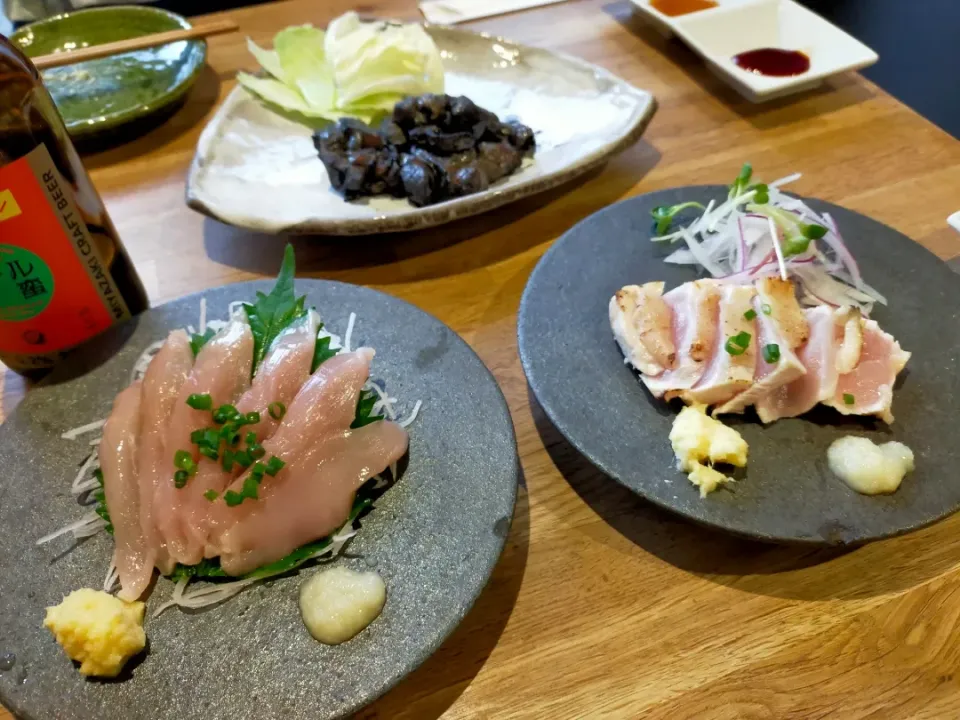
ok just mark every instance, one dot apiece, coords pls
pixel 919 53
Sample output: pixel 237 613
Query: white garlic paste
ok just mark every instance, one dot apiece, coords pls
pixel 869 468
pixel 338 603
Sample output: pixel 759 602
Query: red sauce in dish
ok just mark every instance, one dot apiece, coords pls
pixel 673 8
pixel 773 62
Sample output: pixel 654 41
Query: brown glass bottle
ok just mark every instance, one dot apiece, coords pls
pixel 64 273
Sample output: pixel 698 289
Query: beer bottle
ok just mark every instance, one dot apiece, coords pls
pixel 64 274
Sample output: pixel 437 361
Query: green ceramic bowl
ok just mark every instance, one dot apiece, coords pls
pixel 103 94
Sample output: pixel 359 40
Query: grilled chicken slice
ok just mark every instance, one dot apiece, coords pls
pixel 819 358
pixel 694 307
pixel 731 369
pixel 868 388
pixel 780 298
pixel 641 323
pixel 767 376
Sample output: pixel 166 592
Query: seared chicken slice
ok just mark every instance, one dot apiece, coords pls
pixel 694 307
pixel 868 389
pixel 819 359
pixel 731 367
pixel 779 298
pixel 851 339
pixel 642 326
pixel 785 368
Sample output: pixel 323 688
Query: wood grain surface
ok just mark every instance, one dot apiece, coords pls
pixel 603 606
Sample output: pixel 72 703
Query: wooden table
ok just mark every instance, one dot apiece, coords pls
pixel 603 606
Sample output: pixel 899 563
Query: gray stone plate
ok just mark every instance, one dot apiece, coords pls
pixel 434 537
pixel 787 493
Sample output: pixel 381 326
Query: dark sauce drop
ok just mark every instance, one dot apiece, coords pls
pixel 773 62
pixel 673 8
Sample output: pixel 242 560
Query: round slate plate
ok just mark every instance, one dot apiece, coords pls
pixel 434 538
pixel 98 95
pixel 787 493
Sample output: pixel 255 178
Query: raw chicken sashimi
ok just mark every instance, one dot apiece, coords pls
pixel 326 404
pixel 311 498
pixel 281 374
pixel 767 376
pixel 778 299
pixel 118 463
pixel 222 370
pixel 165 376
pixel 641 324
pixel 730 372
pixel 694 307
pixel 819 358
pixel 868 389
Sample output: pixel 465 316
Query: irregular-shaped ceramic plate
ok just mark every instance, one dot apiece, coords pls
pixel 434 537
pixel 787 493
pixel 256 169
pixel 97 95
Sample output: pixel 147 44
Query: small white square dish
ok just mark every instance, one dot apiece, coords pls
pixel 764 48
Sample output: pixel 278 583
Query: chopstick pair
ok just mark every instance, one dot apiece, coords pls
pixel 203 30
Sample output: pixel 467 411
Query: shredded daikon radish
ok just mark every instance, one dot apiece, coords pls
pixel 413 414
pixel 89 524
pixel 349 333
pixel 83 429
pixel 112 579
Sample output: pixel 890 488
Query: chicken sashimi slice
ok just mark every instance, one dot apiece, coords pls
pixel 165 375
pixel 694 309
pixel 281 374
pixel 312 497
pixel 118 463
pixel 222 370
pixel 641 323
pixel 326 403
pixel 778 299
pixel 767 376
pixel 731 369
pixel 819 358
pixel 327 400
pixel 868 389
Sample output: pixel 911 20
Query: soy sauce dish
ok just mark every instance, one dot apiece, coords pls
pixel 764 49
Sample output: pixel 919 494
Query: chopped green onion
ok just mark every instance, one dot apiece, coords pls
pixel 180 478
pixel 848 399
pixel 184 461
pixel 250 438
pixel 771 353
pixel 737 344
pixel 209 452
pixel 227 460
pixel 251 418
pixel 274 465
pixel 197 436
pixel 232 498
pixel 242 458
pixel 200 401
pixel 750 314
pixel 211 495
pixel 256 451
pixel 277 410
pixel 225 413
pixel 766 309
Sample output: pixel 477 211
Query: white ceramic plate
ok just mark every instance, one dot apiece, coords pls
pixel 736 26
pixel 258 170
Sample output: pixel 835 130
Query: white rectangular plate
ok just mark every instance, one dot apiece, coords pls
pixel 736 26
pixel 256 169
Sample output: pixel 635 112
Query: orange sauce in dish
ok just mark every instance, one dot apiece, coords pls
pixel 673 8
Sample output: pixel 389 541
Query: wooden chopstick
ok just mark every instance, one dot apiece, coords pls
pixel 58 59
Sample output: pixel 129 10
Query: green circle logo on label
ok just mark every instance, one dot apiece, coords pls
pixel 26 284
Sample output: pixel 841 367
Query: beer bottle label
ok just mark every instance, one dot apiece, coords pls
pixel 55 287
